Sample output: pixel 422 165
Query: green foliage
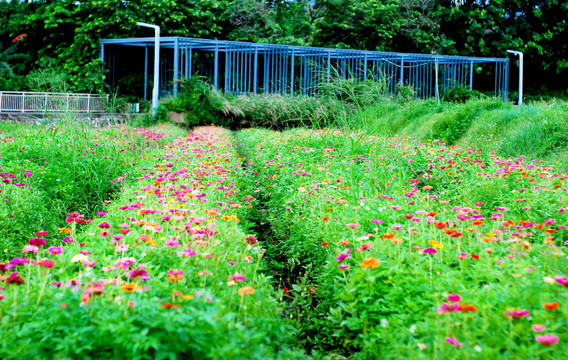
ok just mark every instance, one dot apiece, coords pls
pixel 73 168
pixel 461 94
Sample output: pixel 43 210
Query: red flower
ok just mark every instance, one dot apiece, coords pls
pixel 19 38
pixel 475 256
pixel 324 244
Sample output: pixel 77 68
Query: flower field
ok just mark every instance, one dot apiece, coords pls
pixel 298 244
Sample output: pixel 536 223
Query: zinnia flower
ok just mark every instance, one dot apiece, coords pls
pixel 452 340
pixel 551 306
pixel 247 290
pixel 370 262
pixel 547 339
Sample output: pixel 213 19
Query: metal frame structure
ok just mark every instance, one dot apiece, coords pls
pixel 251 68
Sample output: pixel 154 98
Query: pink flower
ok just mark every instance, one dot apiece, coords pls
pixel 377 222
pixel 172 243
pixel 104 225
pixel 343 267
pixel 89 263
pixel 236 277
pixel 429 251
pixel 538 327
pixel 454 298
pixel 446 308
pixel 175 272
pixel 30 249
pixel 515 313
pixel 547 339
pixel 54 250
pixel 352 226
pixel 251 240
pixel 452 340
pixel 68 239
pixel 136 273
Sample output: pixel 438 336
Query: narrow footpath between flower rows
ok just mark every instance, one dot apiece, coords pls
pixel 166 271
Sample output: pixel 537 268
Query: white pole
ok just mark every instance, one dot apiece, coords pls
pixel 520 55
pixel 156 65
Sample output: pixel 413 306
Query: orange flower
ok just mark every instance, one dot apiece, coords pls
pixel 174 278
pixel 388 236
pixel 170 306
pixel 324 244
pixel 370 262
pixel 325 218
pixel 130 287
pixel 440 225
pixel 467 307
pixel 344 242
pixel 478 222
pixel 551 306
pixel 550 231
pixel 247 290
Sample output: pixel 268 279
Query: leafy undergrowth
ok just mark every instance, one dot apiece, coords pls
pixel 167 270
pixel 393 248
pixel 47 172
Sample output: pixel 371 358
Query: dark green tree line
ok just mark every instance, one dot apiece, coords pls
pixel 66 33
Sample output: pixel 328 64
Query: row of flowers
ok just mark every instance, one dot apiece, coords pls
pixel 170 247
pixel 387 226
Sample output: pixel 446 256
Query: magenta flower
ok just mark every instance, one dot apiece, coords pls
pixel 562 280
pixel 547 339
pixel 452 340
pixel 343 267
pixel 104 225
pixel 342 256
pixel 190 253
pixel 538 327
pixel 125 263
pixel 19 261
pixel 68 239
pixel 454 298
pixel 101 213
pixel 429 251
pixel 137 273
pixel 54 250
pixel 37 241
pixel 377 222
pixel 89 263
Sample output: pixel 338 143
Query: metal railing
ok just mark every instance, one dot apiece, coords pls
pixel 41 102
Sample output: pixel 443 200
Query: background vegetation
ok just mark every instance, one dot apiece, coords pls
pixel 66 33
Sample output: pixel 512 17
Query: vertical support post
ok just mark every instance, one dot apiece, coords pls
pixel 255 75
pixel 402 71
pixel 190 69
pixel 365 67
pixel 265 89
pixel 176 65
pixel 156 89
pixel 216 68
pixel 292 73
pixel 471 75
pixel 328 66
pixel 89 103
pixel 23 101
pixel 437 91
pixel 145 72
pixel 227 70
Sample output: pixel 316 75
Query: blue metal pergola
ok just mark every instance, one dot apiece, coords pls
pixel 252 68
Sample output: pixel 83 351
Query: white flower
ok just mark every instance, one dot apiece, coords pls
pixel 384 322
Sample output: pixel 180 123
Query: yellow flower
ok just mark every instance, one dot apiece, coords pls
pixel 370 262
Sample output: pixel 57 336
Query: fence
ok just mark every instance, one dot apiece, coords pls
pixel 241 68
pixel 39 102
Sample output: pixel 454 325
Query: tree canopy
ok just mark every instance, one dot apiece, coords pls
pixel 67 32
